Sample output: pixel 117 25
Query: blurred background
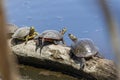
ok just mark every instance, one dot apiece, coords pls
pixel 83 18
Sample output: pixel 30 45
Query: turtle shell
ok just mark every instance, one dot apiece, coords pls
pixel 21 32
pixel 11 28
pixel 84 48
pixel 51 34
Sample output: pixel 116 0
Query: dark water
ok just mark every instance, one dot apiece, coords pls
pixel 31 73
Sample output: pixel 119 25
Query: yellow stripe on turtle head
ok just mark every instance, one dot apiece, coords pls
pixel 32 29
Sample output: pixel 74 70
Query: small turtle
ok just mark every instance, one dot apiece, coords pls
pixel 24 34
pixel 83 49
pixel 49 36
pixel 11 29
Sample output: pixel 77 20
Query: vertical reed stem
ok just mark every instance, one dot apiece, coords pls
pixel 113 31
pixel 7 67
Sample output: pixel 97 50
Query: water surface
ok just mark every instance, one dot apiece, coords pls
pixel 83 18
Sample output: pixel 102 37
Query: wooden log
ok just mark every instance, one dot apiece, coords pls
pixel 57 57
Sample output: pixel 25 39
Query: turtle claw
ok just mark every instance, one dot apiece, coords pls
pixel 36 48
pixel 40 50
pixel 82 63
pixel 25 43
pixel 55 42
pixel 63 41
pixel 41 46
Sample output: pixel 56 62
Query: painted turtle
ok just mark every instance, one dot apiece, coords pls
pixel 83 49
pixel 24 34
pixel 49 36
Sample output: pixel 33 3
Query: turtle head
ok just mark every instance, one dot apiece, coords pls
pixel 72 37
pixel 32 29
pixel 63 31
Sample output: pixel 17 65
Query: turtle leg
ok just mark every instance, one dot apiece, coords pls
pixel 38 44
pixel 64 44
pixel 26 39
pixel 63 41
pixel 36 47
pixel 42 45
pixel 82 62
pixel 99 55
pixel 55 42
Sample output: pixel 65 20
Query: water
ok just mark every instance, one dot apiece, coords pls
pixel 83 18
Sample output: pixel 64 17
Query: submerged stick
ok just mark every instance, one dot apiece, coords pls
pixel 7 66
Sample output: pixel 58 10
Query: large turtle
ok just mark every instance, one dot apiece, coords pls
pixel 11 29
pixel 49 36
pixel 24 34
pixel 83 49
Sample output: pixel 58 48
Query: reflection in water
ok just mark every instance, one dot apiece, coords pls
pixel 32 73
